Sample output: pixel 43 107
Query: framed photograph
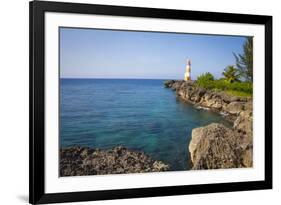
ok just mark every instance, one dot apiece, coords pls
pixel 140 102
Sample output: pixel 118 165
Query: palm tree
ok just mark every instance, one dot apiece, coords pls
pixel 244 62
pixel 231 74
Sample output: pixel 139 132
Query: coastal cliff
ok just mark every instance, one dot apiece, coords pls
pixel 216 146
pixel 80 161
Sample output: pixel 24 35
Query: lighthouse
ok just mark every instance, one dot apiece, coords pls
pixel 187 71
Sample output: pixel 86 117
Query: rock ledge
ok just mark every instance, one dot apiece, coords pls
pixel 79 161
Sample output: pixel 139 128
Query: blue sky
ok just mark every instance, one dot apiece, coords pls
pixel 93 53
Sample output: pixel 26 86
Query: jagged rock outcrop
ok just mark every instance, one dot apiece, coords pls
pixel 216 146
pixel 215 100
pixel 79 161
pixel 244 121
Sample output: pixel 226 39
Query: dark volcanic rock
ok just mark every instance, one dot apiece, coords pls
pixel 79 161
pixel 176 85
pixel 169 83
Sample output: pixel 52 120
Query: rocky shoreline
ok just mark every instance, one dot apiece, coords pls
pixel 216 146
pixel 80 161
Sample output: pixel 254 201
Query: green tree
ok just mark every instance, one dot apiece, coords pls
pixel 205 80
pixel 244 61
pixel 205 77
pixel 231 74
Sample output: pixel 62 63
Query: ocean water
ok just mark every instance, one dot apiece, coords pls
pixel 141 115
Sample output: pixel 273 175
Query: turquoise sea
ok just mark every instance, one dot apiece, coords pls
pixel 141 115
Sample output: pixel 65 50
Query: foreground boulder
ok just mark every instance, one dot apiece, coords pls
pixel 216 146
pixel 79 161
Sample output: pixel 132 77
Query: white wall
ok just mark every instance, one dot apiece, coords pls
pixel 14 100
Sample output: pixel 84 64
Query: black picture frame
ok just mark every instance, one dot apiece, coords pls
pixel 37 10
